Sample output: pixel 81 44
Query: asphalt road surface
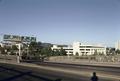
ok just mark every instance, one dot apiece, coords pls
pixel 51 71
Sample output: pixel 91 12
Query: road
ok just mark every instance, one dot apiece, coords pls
pixel 67 72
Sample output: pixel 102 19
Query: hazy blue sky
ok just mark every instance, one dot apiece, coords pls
pixel 62 21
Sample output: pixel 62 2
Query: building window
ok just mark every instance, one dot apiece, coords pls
pixel 82 49
pixel 87 49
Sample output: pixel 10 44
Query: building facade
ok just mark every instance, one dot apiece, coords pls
pixel 81 49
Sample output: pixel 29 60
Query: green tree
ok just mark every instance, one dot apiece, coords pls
pixel 24 50
pixel 107 51
pixel 62 52
pixel 2 50
pixel 95 53
pixel 77 54
pixel 8 48
pixel 112 51
pixel 101 53
pixel 35 49
pixel 117 51
pixel 59 52
pixel 56 52
pixel 14 49
pixel 46 51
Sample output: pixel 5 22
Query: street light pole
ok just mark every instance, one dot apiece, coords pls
pixel 28 50
pixel 18 56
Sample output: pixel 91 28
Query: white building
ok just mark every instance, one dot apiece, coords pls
pixel 67 48
pixel 82 49
pixel 117 45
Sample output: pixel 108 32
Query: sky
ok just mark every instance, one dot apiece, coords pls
pixel 62 21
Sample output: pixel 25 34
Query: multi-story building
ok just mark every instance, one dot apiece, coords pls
pixel 81 49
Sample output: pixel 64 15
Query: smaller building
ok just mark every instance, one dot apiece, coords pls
pixel 67 48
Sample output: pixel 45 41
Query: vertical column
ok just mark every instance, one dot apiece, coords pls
pixel 18 56
pixel 76 48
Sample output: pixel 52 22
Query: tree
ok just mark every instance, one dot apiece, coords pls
pixel 8 48
pixel 63 52
pixel 107 51
pixel 77 54
pixel 112 51
pixel 95 53
pixel 101 53
pixel 117 51
pixel 14 49
pixel 46 51
pixel 2 50
pixel 24 50
pixel 56 52
pixel 35 48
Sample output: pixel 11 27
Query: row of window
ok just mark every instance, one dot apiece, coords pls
pixel 89 47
